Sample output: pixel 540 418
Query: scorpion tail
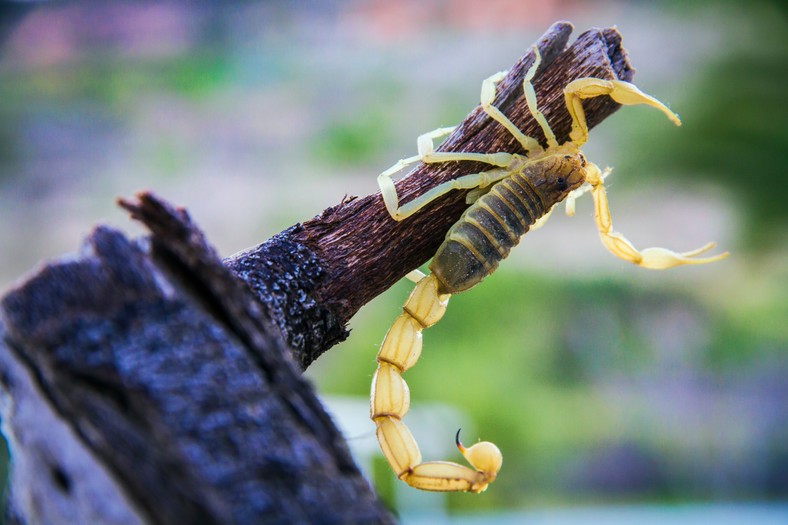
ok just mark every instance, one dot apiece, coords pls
pixel 390 401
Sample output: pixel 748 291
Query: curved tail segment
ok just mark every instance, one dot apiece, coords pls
pixel 390 401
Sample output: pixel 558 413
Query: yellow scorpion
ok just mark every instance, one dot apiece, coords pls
pixel 516 195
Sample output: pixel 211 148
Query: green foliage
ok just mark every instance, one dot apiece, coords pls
pixel 95 89
pixel 531 358
pixel 351 141
pixel 105 80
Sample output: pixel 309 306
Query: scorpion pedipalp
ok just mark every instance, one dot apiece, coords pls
pixel 654 258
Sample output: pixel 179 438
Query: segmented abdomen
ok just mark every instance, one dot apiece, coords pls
pixel 489 228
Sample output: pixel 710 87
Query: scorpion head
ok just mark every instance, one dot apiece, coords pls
pixel 567 172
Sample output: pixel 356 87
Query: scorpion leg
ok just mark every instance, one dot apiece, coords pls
pixel 529 144
pixel 474 180
pixel 390 401
pixel 415 275
pixel 538 223
pixel 618 245
pixel 427 153
pixel 426 147
pixel 425 144
pixel 620 91
pixel 476 193
pixel 530 100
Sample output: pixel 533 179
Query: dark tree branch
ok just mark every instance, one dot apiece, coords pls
pixel 354 251
pixel 158 373
pixel 142 382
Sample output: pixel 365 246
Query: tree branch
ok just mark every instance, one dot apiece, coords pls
pixel 335 263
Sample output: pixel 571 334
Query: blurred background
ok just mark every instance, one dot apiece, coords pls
pixel 617 395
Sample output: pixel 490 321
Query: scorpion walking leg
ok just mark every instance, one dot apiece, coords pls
pixel 427 155
pixel 415 275
pixel 390 401
pixel 618 245
pixel 426 147
pixel 475 180
pixel 529 144
pixel 530 100
pixel 541 220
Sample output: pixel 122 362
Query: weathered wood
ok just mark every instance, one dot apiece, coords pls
pixel 143 382
pixel 354 250
pixel 165 380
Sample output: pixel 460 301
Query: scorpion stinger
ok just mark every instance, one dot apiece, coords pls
pixel 390 401
pixel 511 198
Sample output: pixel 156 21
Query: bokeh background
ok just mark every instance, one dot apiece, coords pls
pixel 617 395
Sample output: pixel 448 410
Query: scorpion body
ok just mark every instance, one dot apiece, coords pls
pixel 516 195
pixel 494 224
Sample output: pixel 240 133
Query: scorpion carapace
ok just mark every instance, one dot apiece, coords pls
pixel 516 195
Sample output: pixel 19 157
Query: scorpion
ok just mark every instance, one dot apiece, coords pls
pixel 515 195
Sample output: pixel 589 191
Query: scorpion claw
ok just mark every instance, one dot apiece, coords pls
pixel 662 258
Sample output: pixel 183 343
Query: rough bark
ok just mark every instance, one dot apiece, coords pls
pixel 169 394
pixel 143 382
